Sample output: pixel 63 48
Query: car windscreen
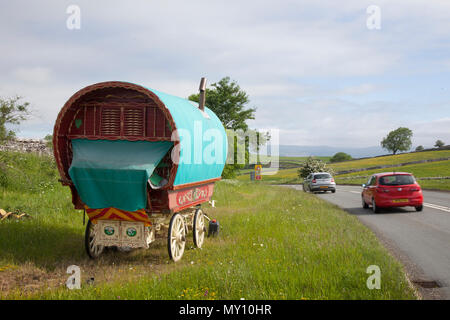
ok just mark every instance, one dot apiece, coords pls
pixel 322 176
pixel 396 180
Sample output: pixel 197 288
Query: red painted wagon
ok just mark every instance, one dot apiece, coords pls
pixel 139 161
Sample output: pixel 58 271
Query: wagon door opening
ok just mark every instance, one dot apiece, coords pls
pixel 116 173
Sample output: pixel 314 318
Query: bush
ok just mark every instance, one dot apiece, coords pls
pixel 419 148
pixel 341 156
pixel 313 165
pixel 12 112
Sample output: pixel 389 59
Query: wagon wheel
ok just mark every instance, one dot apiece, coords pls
pixel 176 237
pixel 199 228
pixel 89 237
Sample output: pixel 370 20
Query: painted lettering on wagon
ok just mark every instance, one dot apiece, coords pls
pixel 193 195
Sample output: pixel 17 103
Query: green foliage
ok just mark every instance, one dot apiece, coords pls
pixel 23 171
pixel 439 144
pixel 49 141
pixel 12 112
pixel 341 156
pixel 398 140
pixel 229 171
pixel 313 165
pixel 228 101
pixel 419 148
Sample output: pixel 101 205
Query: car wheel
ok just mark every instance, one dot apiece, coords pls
pixel 375 207
pixel 333 191
pixel 364 204
pixel 419 208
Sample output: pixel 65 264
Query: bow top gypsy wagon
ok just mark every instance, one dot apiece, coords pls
pixel 138 161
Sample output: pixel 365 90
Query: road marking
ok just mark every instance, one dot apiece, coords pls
pixel 358 192
pixel 435 206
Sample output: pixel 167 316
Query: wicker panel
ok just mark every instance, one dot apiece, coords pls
pixel 133 122
pixel 110 122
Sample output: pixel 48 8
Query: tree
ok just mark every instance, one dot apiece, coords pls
pixel 12 112
pixel 229 102
pixel 313 165
pixel 398 140
pixel 419 148
pixel 341 156
pixel 439 144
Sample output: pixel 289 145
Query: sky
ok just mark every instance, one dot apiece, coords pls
pixel 315 71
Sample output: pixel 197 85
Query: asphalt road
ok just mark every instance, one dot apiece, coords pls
pixel 420 240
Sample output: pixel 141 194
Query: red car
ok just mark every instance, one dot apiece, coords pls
pixel 392 189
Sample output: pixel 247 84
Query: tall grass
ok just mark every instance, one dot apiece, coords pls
pixel 274 243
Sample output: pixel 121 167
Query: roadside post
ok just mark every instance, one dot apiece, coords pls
pixel 258 169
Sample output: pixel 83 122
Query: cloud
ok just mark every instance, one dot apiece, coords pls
pixel 312 69
pixel 33 74
pixel 426 133
pixel 360 89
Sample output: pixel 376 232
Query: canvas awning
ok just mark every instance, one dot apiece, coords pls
pixel 115 173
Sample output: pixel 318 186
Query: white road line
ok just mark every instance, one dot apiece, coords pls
pixel 435 206
pixel 358 192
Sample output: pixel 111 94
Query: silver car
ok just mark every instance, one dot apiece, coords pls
pixel 319 181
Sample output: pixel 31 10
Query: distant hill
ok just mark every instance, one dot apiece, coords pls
pixel 304 151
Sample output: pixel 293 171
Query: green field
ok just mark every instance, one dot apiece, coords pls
pixel 285 163
pixel 430 169
pixel 275 243
pixel 390 160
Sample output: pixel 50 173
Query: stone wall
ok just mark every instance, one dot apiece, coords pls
pixel 26 145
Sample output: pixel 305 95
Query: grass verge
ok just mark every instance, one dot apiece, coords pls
pixel 274 243
pixel 431 169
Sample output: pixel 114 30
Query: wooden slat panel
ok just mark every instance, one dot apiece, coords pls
pixel 133 122
pixel 160 123
pixel 110 121
pixel 80 117
pixel 168 132
pixel 90 121
pixel 150 130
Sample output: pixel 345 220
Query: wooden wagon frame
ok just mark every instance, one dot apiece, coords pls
pixel 122 111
